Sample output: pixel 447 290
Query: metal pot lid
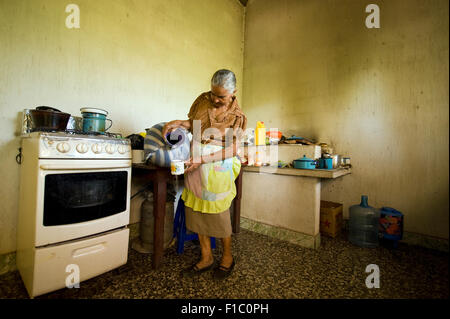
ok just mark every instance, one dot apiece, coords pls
pixel 93 110
pixel 47 108
pixel 304 159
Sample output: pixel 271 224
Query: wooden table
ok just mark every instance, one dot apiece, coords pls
pixel 160 176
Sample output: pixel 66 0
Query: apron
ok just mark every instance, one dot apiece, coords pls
pixel 211 188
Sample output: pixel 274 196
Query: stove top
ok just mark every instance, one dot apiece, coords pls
pixel 78 132
pixel 79 145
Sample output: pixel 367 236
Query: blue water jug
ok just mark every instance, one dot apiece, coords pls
pixel 364 224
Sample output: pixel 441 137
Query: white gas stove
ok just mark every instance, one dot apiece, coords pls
pixel 73 209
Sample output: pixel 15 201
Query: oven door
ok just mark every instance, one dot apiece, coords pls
pixel 78 198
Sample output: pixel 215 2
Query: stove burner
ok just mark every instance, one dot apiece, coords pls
pixel 108 134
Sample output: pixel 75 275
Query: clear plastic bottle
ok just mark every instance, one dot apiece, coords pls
pixel 363 224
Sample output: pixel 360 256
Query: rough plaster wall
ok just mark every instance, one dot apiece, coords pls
pixel 145 61
pixel 380 96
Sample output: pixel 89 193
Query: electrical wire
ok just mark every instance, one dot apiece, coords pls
pixel 19 156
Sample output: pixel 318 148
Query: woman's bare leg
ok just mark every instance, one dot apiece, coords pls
pixel 205 246
pixel 227 257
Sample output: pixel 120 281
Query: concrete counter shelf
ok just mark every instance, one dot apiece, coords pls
pixel 320 173
pixel 285 202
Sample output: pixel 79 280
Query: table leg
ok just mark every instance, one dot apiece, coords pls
pixel 237 205
pixel 159 211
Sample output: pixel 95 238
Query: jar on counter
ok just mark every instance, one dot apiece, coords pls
pixel 325 148
pixel 346 162
pixel 336 160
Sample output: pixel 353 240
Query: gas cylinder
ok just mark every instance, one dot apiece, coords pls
pixel 144 243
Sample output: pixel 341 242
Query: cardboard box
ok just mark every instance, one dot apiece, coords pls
pixel 330 218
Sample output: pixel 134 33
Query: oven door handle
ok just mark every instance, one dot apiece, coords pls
pixel 52 167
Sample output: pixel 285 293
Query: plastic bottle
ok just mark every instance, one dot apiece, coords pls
pixel 260 133
pixel 260 139
pixel 363 224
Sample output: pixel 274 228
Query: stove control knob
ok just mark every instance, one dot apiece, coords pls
pixel 82 148
pixel 110 149
pixel 97 148
pixel 49 142
pixel 122 149
pixel 63 147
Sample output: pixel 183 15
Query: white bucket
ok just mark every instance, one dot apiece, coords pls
pixel 138 156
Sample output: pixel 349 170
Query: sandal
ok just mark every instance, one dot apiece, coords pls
pixel 194 270
pixel 223 272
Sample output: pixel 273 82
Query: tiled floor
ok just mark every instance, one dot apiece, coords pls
pixel 269 268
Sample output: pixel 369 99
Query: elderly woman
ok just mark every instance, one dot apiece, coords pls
pixel 217 124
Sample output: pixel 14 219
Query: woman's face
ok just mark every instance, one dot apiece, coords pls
pixel 220 96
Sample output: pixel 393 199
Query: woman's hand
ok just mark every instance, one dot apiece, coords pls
pixel 191 165
pixel 170 126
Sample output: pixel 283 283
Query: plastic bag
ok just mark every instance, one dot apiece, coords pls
pixel 137 141
pixel 159 151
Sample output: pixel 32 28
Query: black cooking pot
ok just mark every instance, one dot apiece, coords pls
pixel 48 118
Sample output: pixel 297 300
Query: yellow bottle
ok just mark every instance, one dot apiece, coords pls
pixel 260 133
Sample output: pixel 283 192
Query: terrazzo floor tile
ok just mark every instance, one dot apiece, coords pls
pixel 267 268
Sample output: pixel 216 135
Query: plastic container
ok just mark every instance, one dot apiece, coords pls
pixel 260 133
pixel 273 136
pixel 364 224
pixel 391 226
pixel 137 156
pixel 176 138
